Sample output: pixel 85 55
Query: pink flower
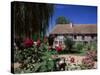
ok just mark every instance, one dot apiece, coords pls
pixel 91 54
pixel 38 42
pixel 72 59
pixel 88 62
pixel 44 39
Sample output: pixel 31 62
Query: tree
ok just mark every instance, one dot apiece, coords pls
pixel 30 18
pixel 62 20
pixel 69 44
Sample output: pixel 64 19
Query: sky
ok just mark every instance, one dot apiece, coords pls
pixel 77 14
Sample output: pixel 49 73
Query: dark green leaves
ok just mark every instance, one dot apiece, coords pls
pixel 62 20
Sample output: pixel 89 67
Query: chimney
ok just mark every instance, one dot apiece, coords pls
pixel 71 24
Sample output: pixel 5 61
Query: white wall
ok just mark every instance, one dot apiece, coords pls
pixel 86 38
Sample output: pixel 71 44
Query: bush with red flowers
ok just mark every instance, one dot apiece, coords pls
pixel 34 59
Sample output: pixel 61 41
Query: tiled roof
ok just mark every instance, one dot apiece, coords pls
pixel 76 28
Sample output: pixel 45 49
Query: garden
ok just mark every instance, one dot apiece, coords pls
pixel 38 56
pixel 32 50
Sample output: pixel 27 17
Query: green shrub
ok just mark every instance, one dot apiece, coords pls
pixel 69 44
pixel 93 45
pixel 78 47
pixel 34 59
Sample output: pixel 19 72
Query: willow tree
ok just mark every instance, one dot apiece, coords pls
pixel 30 18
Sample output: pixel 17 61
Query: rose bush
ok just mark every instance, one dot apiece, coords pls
pixel 34 58
pixel 92 55
pixel 88 63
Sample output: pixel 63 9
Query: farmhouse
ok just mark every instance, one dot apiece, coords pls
pixel 77 32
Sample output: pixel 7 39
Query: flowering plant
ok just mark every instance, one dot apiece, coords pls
pixel 33 59
pixel 27 42
pixel 72 59
pixel 88 63
pixel 92 55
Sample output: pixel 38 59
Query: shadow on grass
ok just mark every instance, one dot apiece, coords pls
pixel 76 52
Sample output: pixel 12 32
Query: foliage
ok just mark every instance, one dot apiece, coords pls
pixel 69 44
pixel 42 58
pixel 47 64
pixel 92 55
pixel 87 63
pixel 31 17
pixel 62 20
pixel 78 47
pixel 93 45
pixel 53 51
pixel 34 59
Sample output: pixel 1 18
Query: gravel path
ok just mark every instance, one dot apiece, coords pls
pixel 78 58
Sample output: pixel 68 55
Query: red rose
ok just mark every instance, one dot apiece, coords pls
pixel 27 42
pixel 58 49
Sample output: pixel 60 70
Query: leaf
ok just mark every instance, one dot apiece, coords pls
pixel 37 66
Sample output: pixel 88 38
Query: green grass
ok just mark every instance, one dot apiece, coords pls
pixel 80 53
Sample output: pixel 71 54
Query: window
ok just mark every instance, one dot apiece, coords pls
pixel 60 42
pixel 92 37
pixel 75 37
pixel 56 42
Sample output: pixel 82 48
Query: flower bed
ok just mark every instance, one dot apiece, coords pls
pixel 38 56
